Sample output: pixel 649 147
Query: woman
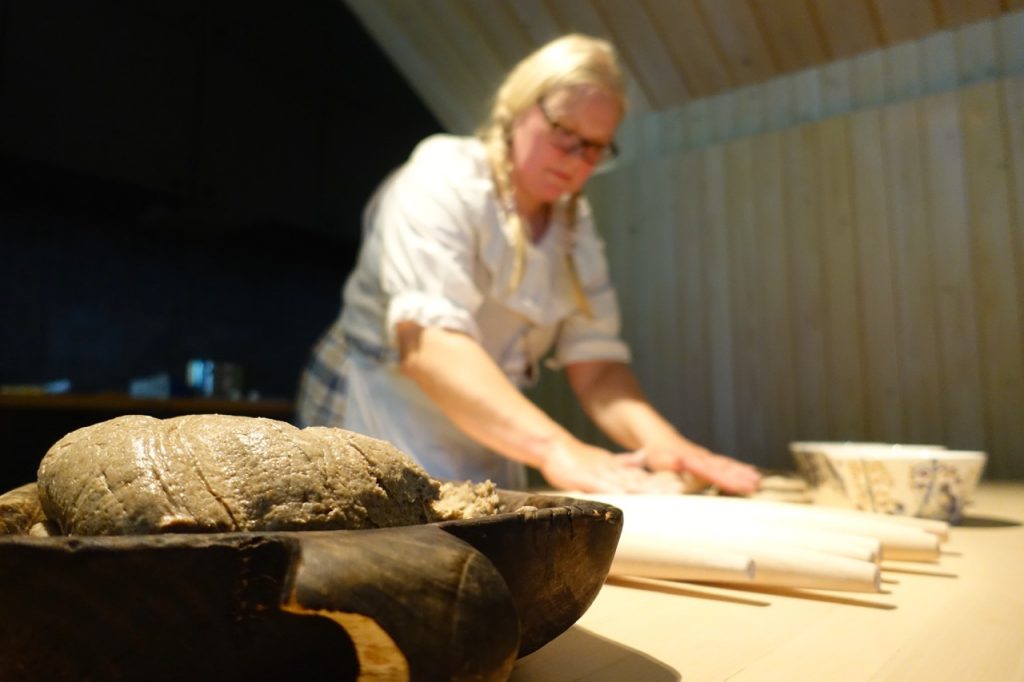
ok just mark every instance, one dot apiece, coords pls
pixel 479 256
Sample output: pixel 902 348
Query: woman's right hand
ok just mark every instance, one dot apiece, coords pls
pixel 586 468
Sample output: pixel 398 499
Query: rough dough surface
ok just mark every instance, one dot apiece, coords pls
pixel 216 473
pixel 19 509
pixel 467 500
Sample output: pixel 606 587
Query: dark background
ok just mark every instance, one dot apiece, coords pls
pixel 184 179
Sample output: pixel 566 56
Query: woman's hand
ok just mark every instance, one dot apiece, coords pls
pixel 585 468
pixel 700 467
pixel 612 397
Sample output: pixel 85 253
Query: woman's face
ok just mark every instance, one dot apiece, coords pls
pixel 556 143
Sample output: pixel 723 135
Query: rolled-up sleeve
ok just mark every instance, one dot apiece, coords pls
pixel 595 337
pixel 428 247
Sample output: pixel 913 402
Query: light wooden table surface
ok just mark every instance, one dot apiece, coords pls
pixel 960 619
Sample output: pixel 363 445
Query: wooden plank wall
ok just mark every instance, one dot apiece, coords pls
pixel 837 254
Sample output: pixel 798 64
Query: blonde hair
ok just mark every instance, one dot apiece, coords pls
pixel 565 62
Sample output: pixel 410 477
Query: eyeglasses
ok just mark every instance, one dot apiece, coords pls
pixel 571 142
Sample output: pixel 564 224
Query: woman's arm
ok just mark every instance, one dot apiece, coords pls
pixel 456 373
pixel 611 395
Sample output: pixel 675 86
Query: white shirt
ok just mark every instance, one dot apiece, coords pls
pixel 435 251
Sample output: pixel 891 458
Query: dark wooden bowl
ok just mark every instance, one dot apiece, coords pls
pixel 447 601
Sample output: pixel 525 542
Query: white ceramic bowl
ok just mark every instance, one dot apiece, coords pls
pixel 909 480
pixel 812 464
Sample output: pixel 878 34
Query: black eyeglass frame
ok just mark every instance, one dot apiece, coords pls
pixel 587 149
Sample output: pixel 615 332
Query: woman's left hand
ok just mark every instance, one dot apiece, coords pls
pixel 700 467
